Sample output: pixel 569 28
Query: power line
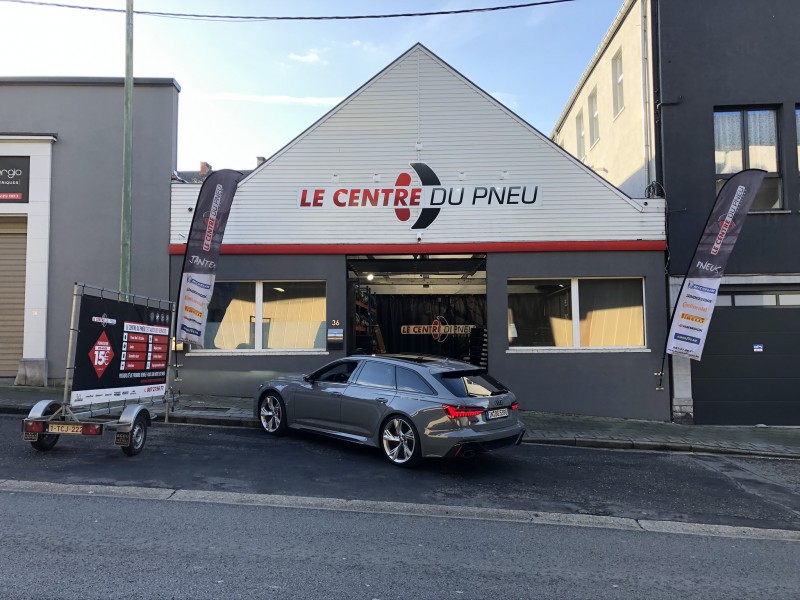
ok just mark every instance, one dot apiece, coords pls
pixel 254 19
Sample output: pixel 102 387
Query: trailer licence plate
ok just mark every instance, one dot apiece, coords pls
pixel 68 428
pixel 498 413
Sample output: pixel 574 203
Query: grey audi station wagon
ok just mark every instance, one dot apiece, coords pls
pixel 408 406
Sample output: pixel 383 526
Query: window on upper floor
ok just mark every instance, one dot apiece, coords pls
pixel 617 82
pixel 747 138
pixel 594 119
pixel 797 127
pixel 579 134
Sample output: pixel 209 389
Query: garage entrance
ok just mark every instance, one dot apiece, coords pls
pixel 421 304
pixel 749 370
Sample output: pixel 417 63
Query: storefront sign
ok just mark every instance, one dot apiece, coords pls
pixel 438 329
pixel 427 200
pixel 15 177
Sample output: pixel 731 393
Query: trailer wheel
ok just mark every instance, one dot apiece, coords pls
pixel 138 436
pixel 46 441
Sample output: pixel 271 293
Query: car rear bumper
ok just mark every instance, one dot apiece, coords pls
pixel 472 448
pixel 468 443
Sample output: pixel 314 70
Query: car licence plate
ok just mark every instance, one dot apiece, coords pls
pixel 68 428
pixel 498 413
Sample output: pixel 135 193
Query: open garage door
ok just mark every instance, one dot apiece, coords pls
pixel 421 304
pixel 749 372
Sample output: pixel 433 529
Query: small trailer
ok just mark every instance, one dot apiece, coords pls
pixel 116 376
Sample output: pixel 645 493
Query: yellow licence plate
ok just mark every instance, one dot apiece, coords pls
pixel 69 428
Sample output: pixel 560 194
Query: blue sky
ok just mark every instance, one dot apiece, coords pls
pixel 250 88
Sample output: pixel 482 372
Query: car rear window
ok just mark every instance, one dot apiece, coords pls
pixel 471 384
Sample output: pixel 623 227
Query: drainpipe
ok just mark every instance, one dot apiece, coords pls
pixel 646 116
pixel 657 95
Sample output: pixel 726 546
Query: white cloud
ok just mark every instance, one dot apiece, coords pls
pixel 281 100
pixel 509 100
pixel 369 47
pixel 313 56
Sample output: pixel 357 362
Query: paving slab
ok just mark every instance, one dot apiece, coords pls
pixel 541 427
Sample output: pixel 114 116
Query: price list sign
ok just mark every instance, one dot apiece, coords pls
pixel 144 347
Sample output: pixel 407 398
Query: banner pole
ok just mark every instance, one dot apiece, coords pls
pixel 71 348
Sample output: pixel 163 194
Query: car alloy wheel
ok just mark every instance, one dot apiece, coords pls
pixel 271 412
pixel 400 441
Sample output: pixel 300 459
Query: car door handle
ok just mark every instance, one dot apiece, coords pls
pixel 336 393
pixel 382 400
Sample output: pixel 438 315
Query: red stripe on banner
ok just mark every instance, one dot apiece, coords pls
pixel 599 246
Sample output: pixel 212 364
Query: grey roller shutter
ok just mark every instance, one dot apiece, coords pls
pixel 13 234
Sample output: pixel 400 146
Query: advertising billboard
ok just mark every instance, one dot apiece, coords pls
pixel 121 351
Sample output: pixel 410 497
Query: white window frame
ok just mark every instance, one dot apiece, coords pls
pixel 257 337
pixel 576 348
pixel 617 82
pixel 778 175
pixel 797 131
pixel 580 134
pixel 594 119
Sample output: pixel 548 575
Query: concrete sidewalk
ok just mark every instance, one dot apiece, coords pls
pixel 542 428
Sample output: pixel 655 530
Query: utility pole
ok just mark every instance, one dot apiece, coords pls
pixel 127 158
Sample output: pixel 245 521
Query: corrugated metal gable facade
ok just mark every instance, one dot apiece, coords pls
pixel 420 110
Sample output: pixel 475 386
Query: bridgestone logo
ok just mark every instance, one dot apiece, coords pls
pixel 212 218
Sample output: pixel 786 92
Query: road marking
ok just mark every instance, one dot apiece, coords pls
pixel 400 508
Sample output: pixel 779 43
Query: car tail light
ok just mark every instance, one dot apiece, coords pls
pixel 92 429
pixel 34 426
pixel 460 411
pixel 514 405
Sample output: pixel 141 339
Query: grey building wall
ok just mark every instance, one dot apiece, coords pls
pixel 240 375
pixel 598 383
pixel 615 384
pixel 87 116
pixel 727 53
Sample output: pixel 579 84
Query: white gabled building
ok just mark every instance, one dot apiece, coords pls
pixel 422 215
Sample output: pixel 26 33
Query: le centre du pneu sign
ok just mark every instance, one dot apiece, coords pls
pixel 428 199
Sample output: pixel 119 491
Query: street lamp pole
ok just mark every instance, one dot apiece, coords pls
pixel 127 147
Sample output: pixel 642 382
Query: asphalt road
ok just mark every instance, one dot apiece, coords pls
pixel 88 547
pixel 711 489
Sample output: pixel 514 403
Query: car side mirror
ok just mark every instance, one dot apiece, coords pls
pixel 308 378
